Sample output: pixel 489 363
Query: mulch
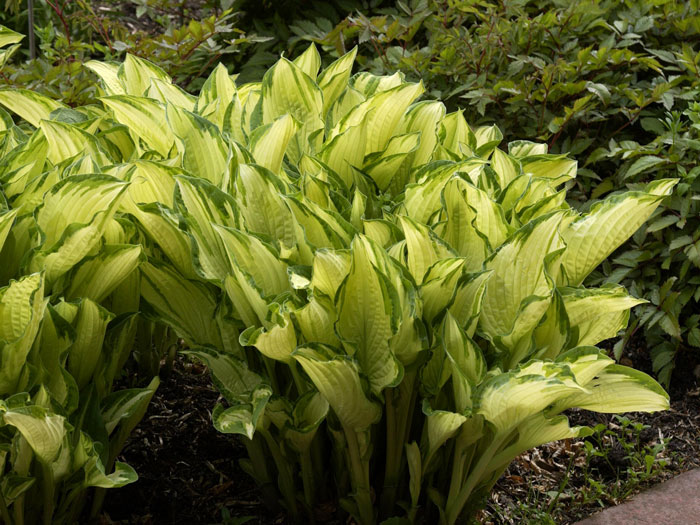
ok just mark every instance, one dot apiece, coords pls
pixel 189 473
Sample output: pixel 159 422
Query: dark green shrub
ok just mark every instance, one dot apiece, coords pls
pixel 661 262
pixel 185 38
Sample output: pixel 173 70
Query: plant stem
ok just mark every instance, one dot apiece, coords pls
pixel 4 512
pixel 169 361
pixel 30 30
pixel 462 457
pixel 98 498
pixel 399 411
pixel 59 11
pixel 392 464
pixel 359 474
pixel 298 381
pixel 18 509
pixel 456 504
pixel 48 490
pixel 270 367
pixel 263 478
pixel 286 480
pixel 307 477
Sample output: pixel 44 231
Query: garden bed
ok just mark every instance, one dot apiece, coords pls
pixel 188 472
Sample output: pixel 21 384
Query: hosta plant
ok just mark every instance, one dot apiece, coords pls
pixel 598 78
pixel 68 313
pixel 390 305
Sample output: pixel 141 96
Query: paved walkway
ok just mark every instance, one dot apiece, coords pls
pixel 675 502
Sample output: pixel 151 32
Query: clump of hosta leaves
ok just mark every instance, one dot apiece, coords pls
pixel 390 305
pixel 69 300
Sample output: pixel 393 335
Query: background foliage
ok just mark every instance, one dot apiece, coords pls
pixel 186 38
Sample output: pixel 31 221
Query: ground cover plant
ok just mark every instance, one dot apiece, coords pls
pixel 607 81
pixel 369 280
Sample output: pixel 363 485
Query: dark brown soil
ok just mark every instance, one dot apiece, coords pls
pixel 189 473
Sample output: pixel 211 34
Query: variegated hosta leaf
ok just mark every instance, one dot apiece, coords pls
pixel 508 399
pixel 217 94
pixel 168 93
pixel 258 259
pixel 149 183
pixel 475 225
pixel 506 167
pixel 385 168
pixel 8 36
pixel 259 195
pixel 249 304
pixel 97 277
pixel 66 141
pixel 557 168
pixel 21 310
pixel 596 314
pixel 620 389
pixel 525 148
pixel 136 74
pixel 288 89
pixel 309 62
pixel 442 425
pixel 127 407
pixel 469 365
pixel 466 305
pixel 316 321
pixel 455 136
pixel 43 430
pixel 423 248
pixel 383 112
pixel 95 475
pixel 368 311
pixel 533 432
pixel 85 352
pixel 334 78
pixel 189 307
pixel 553 334
pixel 595 235
pixel 73 217
pixel 276 342
pixel 344 151
pixel 29 105
pixel 338 380
pixel 423 199
pixel 245 391
pixel 204 206
pixel 80 200
pixel 268 143
pixel 7 219
pixel 200 143
pixel 322 228
pixel 145 119
pixel 308 413
pixel 161 226
pixel 515 301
